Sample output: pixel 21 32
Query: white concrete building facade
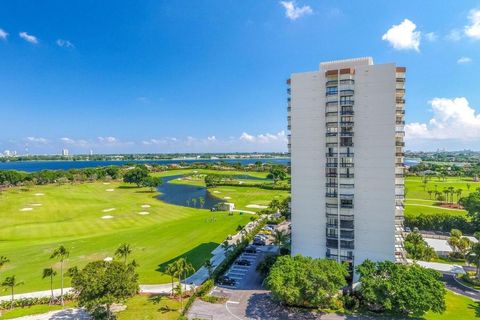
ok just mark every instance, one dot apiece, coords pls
pixel 347 128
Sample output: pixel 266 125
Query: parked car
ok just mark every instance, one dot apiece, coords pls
pixel 250 249
pixel 259 242
pixel 243 262
pixel 226 281
pixel 407 229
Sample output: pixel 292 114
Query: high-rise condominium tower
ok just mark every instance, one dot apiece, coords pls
pixel 346 145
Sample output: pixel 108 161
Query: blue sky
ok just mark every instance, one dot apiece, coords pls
pixel 177 76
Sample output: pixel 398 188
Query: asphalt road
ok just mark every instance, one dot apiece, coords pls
pixel 456 287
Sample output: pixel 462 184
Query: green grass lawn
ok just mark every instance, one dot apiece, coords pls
pixel 415 185
pixel 458 308
pixel 418 200
pixel 72 215
pixel 149 307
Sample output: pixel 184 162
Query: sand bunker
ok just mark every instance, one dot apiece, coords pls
pixel 109 190
pixel 143 213
pixel 216 191
pixel 145 206
pixel 39 194
pixel 107 217
pixel 109 209
pixel 256 206
pixel 108 259
pixel 228 198
pixel 26 209
pixel 36 204
pixel 106 183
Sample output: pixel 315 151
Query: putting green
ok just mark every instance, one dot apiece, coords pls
pixel 75 216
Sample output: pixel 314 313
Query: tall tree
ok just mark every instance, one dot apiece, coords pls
pixel 201 200
pixel 473 256
pixel 209 266
pixel 11 283
pixel 123 251
pixel 406 289
pixel 50 273
pixel 100 284
pixel 279 238
pixel 136 176
pixel 172 271
pixel 306 282
pixel 61 253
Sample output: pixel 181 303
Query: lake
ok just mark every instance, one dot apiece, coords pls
pixel 31 166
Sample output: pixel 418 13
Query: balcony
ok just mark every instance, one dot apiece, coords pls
pixel 346 164
pixel 400 122
pixel 347 123
pixel 347 112
pixel 289 91
pixel 331 83
pixel 347 81
pixel 331 194
pixel 400 100
pixel 331 103
pixel 346 133
pixel 347 102
pixel 346 175
pixel 336 257
pixel 331 175
pixel 289 82
pixel 347 92
pixel 331 185
pixel 331 93
pixel 399 143
pixel 289 109
pixel 332 165
pixel 346 154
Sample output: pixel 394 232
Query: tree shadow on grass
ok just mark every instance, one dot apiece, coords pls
pixel 475 305
pixel 195 256
pixel 128 187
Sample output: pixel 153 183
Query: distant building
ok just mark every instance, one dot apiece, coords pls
pixel 346 144
pixel 65 152
pixel 91 152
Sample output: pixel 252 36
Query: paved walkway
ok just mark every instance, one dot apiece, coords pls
pixel 436 207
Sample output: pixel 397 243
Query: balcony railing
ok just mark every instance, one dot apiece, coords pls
pixel 331 83
pixel 347 113
pixel 345 175
pixel 347 92
pixel 331 93
pixel 331 194
pixel 347 103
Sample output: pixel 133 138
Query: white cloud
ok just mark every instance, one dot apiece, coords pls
pixel 473 29
pixel 37 140
pixel 67 140
pixel 403 36
pixel 464 60
pixel 212 138
pixel 3 34
pixel 28 37
pixel 293 12
pixel 431 36
pixel 108 140
pixel 264 138
pixel 246 137
pixel 453 119
pixel 454 35
pixel 64 43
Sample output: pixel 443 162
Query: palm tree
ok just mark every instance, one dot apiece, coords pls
pixel 123 251
pixel 473 256
pixel 452 191
pixel 201 200
pixel 194 202
pixel 11 282
pixel 61 253
pixel 171 270
pixel 209 266
pixel 430 193
pixel 468 186
pixel 446 192
pixel 459 194
pixel 279 238
pixel 49 273
pixel 183 268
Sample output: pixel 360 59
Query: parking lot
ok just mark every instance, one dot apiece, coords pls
pixel 242 289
